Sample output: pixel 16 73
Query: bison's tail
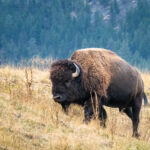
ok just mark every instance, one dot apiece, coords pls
pixel 145 99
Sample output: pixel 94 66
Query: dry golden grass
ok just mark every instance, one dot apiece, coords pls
pixel 30 120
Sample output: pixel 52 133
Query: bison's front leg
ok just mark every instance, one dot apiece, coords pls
pixel 102 116
pixel 88 111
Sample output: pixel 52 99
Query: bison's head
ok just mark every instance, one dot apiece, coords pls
pixel 67 87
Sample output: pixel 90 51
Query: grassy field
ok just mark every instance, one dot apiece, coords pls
pixel 30 120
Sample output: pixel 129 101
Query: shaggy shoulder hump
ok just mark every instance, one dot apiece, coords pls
pixel 95 64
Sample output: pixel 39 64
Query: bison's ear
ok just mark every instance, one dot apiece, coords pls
pixel 71 66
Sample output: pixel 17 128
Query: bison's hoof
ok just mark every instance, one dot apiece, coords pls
pixel 85 121
pixel 136 135
pixel 102 124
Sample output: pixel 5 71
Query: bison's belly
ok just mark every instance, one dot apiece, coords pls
pixel 119 96
pixel 117 102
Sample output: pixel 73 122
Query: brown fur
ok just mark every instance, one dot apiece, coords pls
pixel 95 63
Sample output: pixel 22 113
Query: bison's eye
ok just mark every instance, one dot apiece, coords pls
pixel 68 83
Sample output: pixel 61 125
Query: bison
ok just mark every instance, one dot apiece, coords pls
pixel 95 73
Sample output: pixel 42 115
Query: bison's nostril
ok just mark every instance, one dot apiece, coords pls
pixel 58 97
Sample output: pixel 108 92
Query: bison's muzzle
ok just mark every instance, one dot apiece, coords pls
pixel 59 98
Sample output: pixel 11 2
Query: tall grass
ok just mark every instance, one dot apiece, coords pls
pixel 31 120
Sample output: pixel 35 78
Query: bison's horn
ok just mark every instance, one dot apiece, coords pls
pixel 77 72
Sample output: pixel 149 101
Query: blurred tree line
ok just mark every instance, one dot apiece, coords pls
pixel 57 27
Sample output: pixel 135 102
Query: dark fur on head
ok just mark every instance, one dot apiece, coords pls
pixel 63 83
pixel 62 70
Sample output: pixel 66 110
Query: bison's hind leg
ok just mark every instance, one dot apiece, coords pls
pixel 136 106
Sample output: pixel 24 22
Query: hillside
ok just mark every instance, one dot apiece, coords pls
pixel 56 28
pixel 29 118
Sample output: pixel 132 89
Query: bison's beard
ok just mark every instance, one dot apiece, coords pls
pixel 65 107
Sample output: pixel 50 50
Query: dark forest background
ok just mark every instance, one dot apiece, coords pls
pixel 55 28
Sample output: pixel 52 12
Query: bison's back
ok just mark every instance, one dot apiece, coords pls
pixel 103 68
